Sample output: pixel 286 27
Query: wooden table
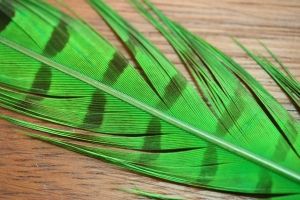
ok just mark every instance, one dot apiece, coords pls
pixel 31 169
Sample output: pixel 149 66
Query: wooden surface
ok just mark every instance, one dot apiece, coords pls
pixel 31 169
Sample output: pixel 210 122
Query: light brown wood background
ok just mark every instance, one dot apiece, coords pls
pixel 31 169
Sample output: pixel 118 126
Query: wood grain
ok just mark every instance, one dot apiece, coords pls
pixel 31 169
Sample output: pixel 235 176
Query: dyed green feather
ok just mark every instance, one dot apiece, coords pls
pixel 146 118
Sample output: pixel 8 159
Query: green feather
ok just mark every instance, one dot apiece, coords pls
pixel 147 118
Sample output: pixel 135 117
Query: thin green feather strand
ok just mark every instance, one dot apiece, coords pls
pixel 61 70
pixel 150 195
pixel 286 81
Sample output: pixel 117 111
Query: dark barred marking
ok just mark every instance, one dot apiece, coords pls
pixel 59 38
pixel 206 174
pixel 229 119
pixel 42 81
pixel 174 89
pixel 152 143
pixel 115 68
pixel 95 112
pixel 208 171
pixel 264 185
pixel 7 15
